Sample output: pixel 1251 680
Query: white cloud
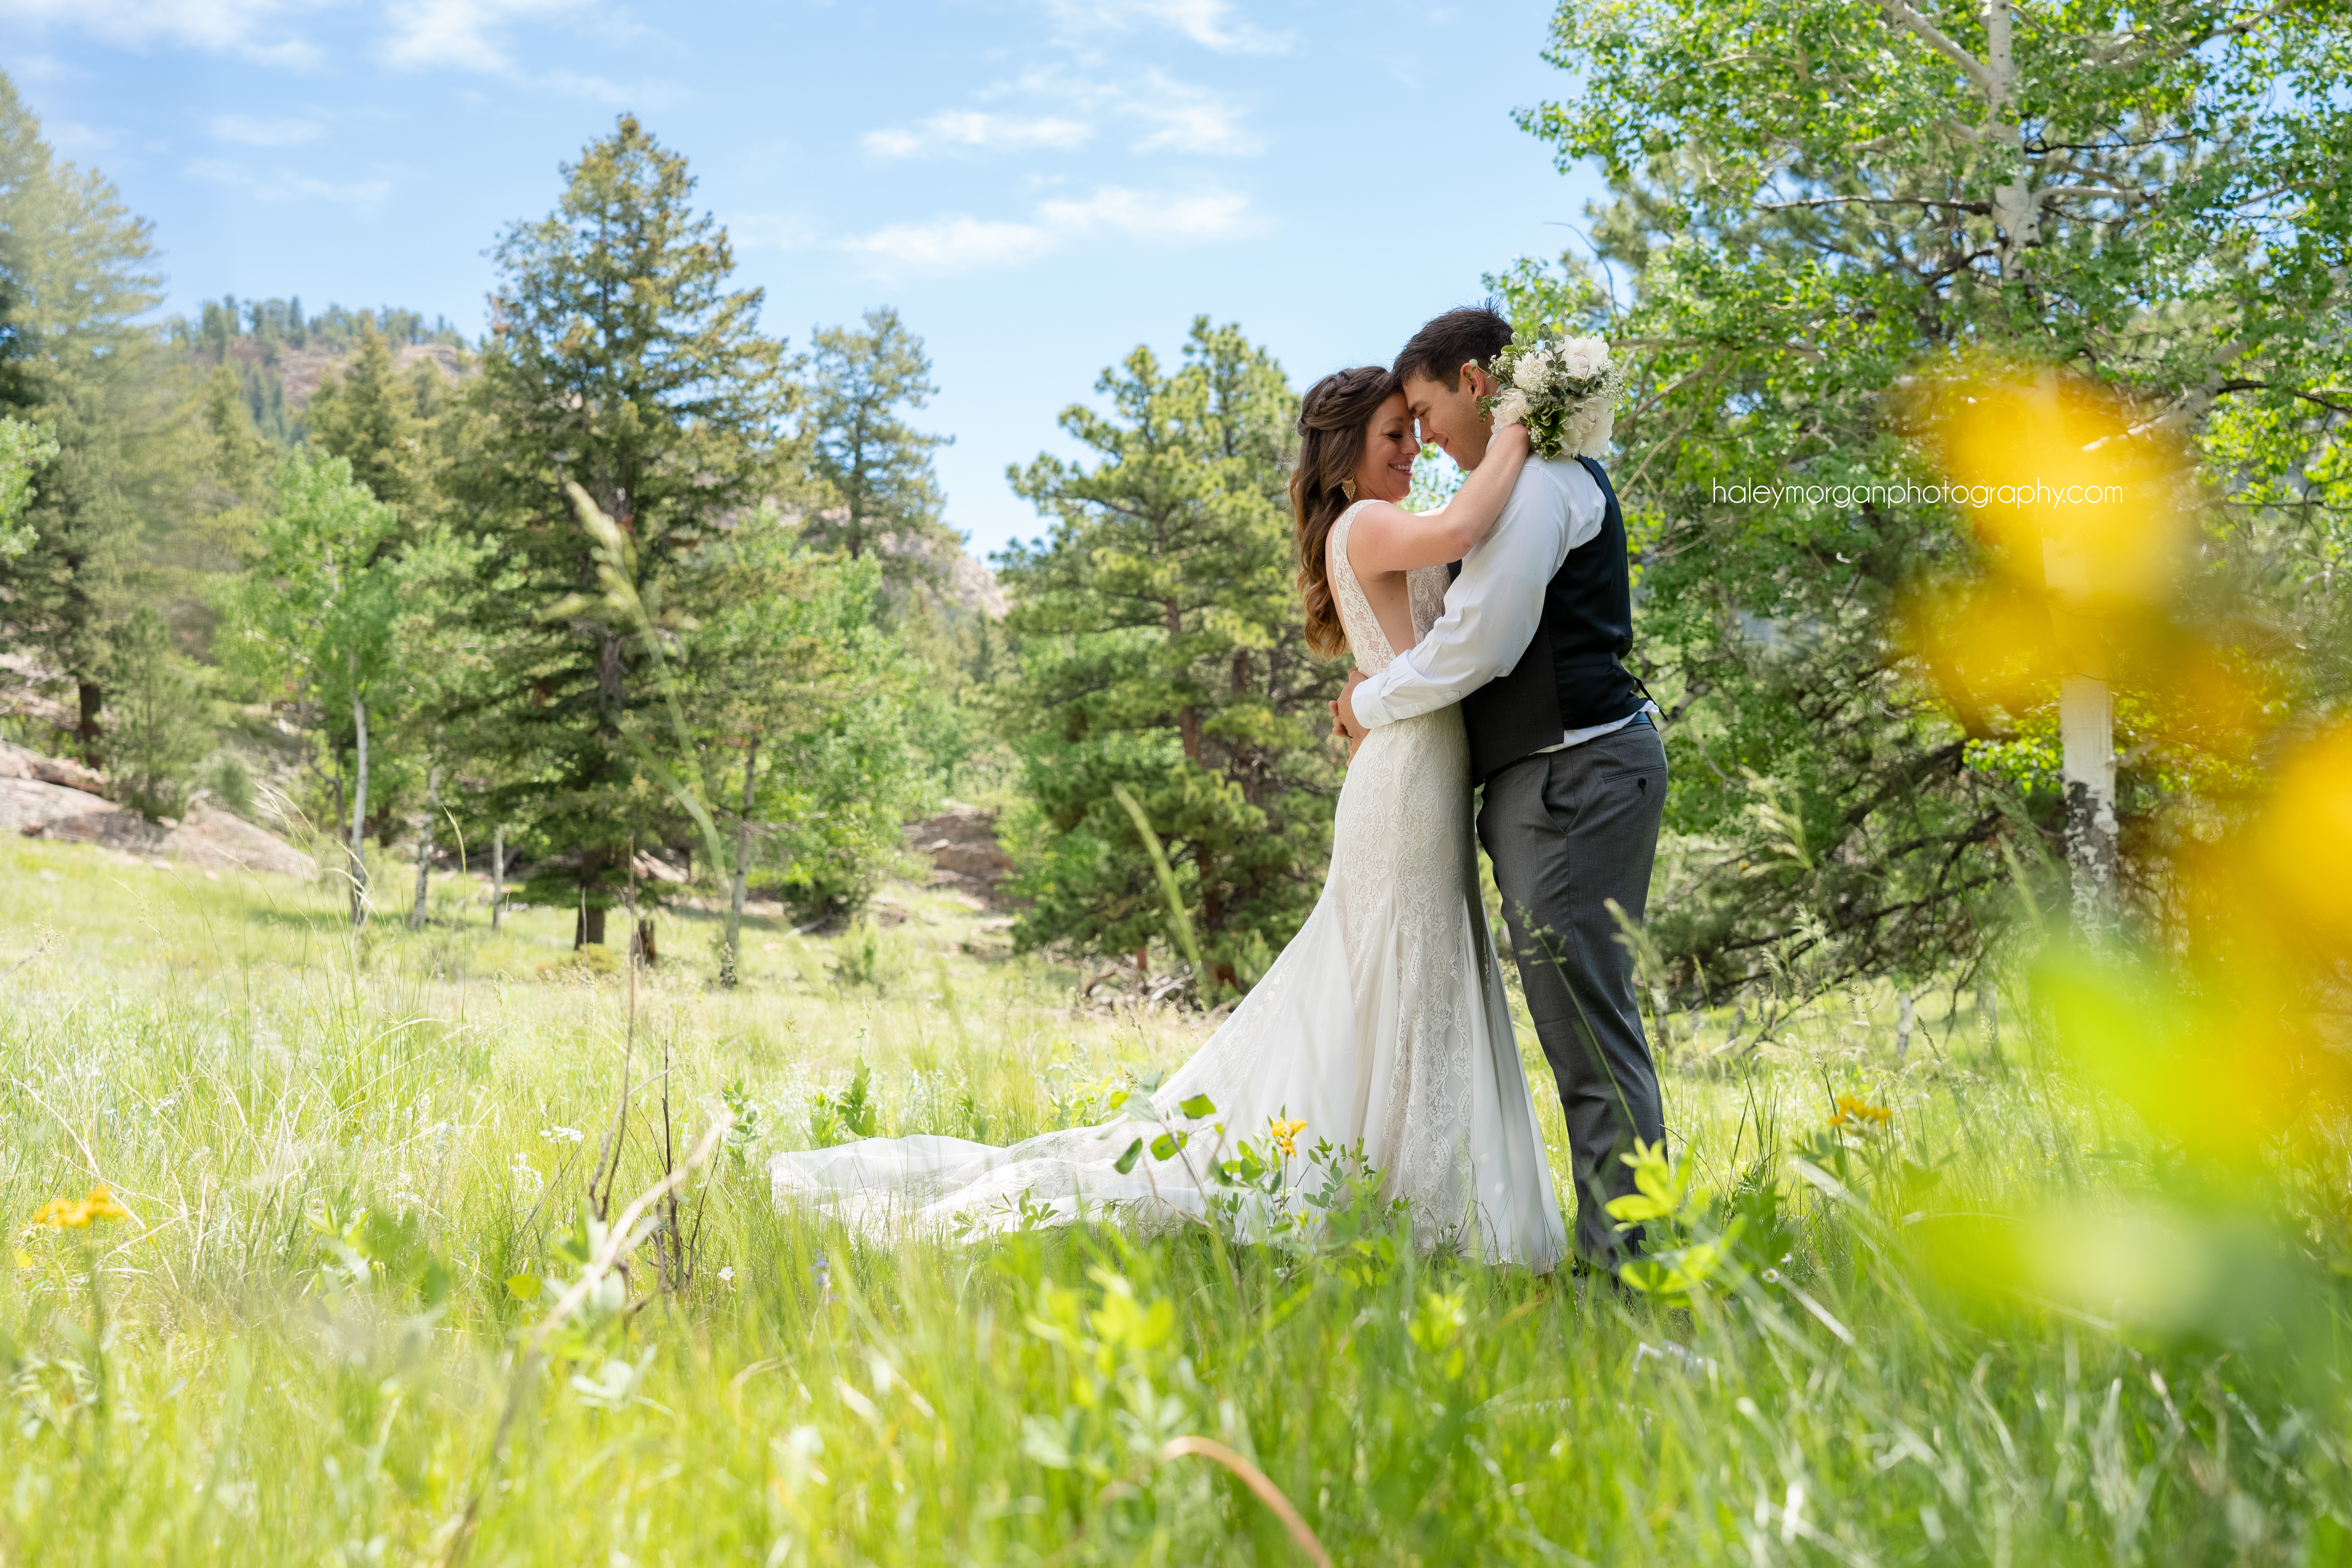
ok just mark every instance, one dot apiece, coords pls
pixel 284 184
pixel 1212 215
pixel 956 243
pixel 956 130
pixel 473 36
pixel 253 28
pixel 1171 116
pixel 256 132
pixel 961 244
pixel 1208 23
pixel 460 34
pixel 1188 119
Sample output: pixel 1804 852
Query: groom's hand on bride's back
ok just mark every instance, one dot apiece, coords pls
pixel 1343 713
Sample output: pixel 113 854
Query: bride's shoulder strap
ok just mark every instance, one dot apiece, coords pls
pixel 1336 540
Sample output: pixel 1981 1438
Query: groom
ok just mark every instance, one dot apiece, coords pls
pixel 1575 772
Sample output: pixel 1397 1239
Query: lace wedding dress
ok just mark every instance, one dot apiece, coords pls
pixel 1385 1020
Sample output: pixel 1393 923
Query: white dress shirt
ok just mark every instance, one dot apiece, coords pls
pixel 1493 608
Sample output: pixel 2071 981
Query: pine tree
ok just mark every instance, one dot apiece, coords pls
pixel 885 493
pixel 74 280
pixel 369 417
pixel 619 358
pixel 157 709
pixel 1161 649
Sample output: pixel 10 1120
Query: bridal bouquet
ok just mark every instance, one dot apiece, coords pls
pixel 1565 392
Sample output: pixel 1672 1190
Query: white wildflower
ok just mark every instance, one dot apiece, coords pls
pixel 727 1275
pixel 560 1135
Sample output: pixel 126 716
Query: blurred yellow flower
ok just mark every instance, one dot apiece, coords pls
pixel 2302 850
pixel 2063 480
pixel 1286 1134
pixel 1852 1111
pixel 2087 515
pixel 67 1213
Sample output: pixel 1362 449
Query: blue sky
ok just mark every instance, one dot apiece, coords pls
pixel 1037 184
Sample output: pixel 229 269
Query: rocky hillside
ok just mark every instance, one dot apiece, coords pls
pixel 50 797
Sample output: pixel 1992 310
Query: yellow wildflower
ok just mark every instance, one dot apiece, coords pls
pixel 1852 1111
pixel 1286 1134
pixel 66 1213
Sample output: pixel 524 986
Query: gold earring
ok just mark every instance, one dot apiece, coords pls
pixel 1347 488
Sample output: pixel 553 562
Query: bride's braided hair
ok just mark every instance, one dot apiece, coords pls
pixel 1333 418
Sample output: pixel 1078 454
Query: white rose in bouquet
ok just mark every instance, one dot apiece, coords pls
pixel 1564 393
pixel 1584 358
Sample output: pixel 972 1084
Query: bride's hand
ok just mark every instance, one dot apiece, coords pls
pixel 1510 443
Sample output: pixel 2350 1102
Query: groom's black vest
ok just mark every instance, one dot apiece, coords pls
pixel 1569 677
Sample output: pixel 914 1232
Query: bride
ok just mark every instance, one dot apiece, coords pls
pixel 1385 1020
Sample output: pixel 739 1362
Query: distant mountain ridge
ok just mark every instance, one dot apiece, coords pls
pixel 280 356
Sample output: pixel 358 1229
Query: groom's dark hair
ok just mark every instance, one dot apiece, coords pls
pixel 1447 343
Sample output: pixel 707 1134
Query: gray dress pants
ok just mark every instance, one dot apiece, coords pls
pixel 1567 831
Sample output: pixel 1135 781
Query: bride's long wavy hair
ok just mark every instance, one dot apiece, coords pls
pixel 1333 418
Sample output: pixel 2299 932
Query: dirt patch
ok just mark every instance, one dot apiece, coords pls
pixel 962 845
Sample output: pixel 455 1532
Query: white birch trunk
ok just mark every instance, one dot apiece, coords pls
pixel 729 970
pixel 2086 733
pixel 424 845
pixel 2086 729
pixel 359 820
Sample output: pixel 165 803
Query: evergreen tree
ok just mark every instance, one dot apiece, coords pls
pixel 618 358
pixel 242 458
pixel 1161 648
pixel 157 711
pixel 371 417
pixel 876 467
pixel 74 279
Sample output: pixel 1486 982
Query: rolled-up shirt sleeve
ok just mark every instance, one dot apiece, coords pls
pixel 1492 609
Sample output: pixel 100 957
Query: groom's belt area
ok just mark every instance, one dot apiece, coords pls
pixel 1542 699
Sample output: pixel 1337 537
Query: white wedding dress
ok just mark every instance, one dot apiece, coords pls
pixel 1384 1019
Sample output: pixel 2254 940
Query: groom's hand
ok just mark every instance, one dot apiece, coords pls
pixel 1344 709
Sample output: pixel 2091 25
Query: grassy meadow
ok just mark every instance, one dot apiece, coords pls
pixel 352 1174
